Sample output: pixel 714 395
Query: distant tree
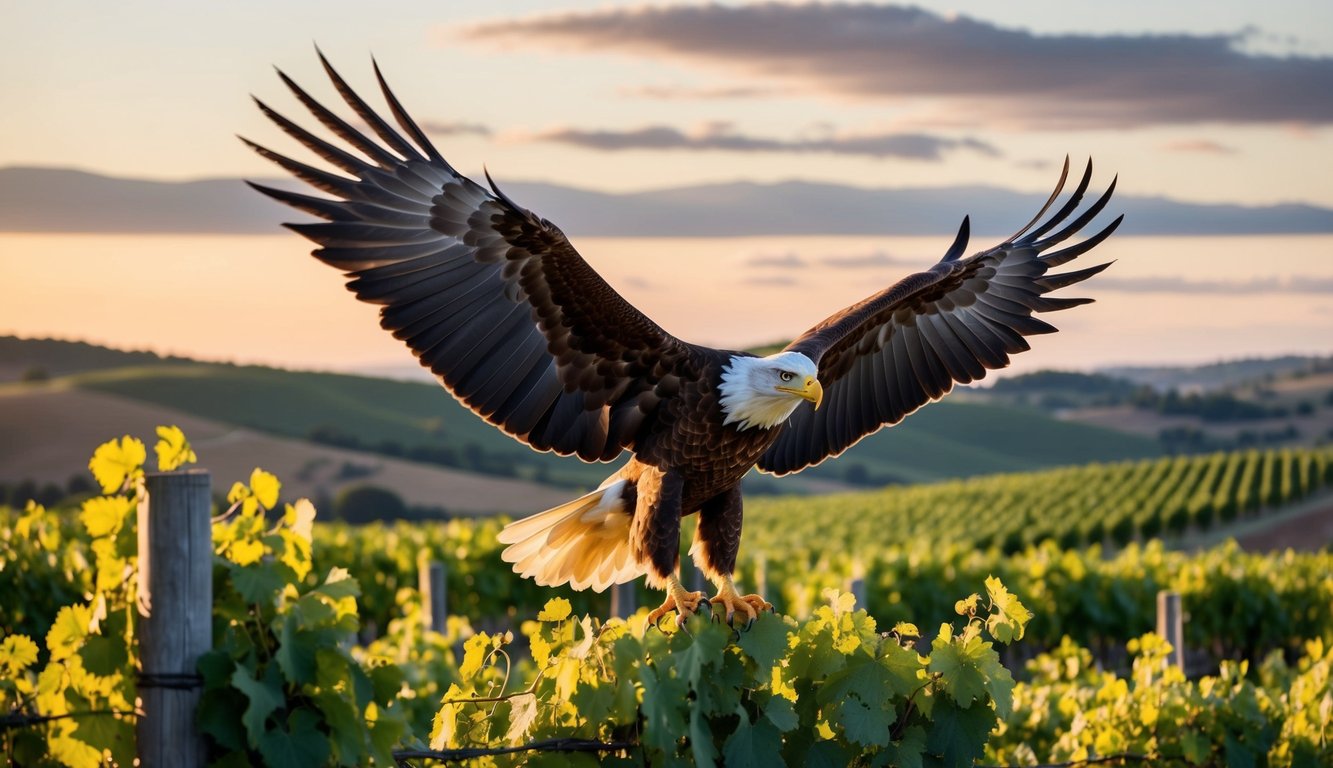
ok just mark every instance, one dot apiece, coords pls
pixel 367 503
pixel 79 484
pixel 34 374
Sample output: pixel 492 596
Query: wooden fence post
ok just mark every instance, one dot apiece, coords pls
pixel 623 600
pixel 1171 626
pixel 858 583
pixel 434 594
pixel 176 605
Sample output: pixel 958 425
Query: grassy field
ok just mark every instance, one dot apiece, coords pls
pixel 50 431
pixel 944 440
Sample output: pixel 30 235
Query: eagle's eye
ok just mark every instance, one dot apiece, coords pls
pixel 787 375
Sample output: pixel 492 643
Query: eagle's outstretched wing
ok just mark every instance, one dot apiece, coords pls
pixel 883 358
pixel 490 297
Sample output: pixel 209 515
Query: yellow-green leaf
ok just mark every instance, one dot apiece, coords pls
pixel 247 552
pixel 300 518
pixel 968 605
pixel 474 654
pixel 265 487
pixel 113 462
pixel 17 653
pixel 557 609
pixel 104 515
pixel 68 631
pixel 172 449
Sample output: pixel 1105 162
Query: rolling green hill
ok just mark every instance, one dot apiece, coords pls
pixel 944 440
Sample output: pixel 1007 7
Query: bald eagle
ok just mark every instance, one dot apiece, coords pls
pixel 498 304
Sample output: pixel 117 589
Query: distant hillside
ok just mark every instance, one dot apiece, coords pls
pixel 50 357
pixel 944 440
pixel 1222 406
pixel 62 200
pixel 1230 373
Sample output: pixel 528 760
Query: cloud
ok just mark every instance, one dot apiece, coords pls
pixel 1202 146
pixel 706 93
pixel 769 280
pixel 721 137
pixel 455 128
pixel 1290 284
pixel 775 261
pixel 865 260
pixel 967 69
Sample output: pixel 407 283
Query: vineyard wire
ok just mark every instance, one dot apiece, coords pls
pixel 1120 758
pixel 550 745
pixel 19 720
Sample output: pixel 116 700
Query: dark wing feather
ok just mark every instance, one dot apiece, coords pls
pixel 882 358
pixel 491 298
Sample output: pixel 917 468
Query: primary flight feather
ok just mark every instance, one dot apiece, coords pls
pixel 498 304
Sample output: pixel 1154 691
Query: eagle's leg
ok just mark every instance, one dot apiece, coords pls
pixel 717 540
pixel 655 538
pixel 728 597
pixel 684 602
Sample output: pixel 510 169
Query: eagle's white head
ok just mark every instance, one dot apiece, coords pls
pixel 764 391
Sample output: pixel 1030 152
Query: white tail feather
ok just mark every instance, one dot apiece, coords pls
pixel 584 542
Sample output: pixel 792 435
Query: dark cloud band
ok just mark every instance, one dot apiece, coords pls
pixel 978 72
pixel 915 146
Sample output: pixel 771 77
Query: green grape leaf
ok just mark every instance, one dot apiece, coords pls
pixel 113 463
pixel 264 695
pixel 296 649
pixel 958 663
pixel 172 449
pixel 258 583
pixel 827 754
pixel 904 667
pixel 107 731
pixel 781 713
pixel 701 736
pixel 1196 747
pixel 865 724
pixel 907 752
pixel 386 682
pixel 104 656
pixel 767 640
pixel 753 745
pixel 299 745
pixel 958 736
pixel 663 702
pixel 216 716
pixel 345 726
pixel 17 653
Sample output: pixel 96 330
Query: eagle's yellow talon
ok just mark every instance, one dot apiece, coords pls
pixel 750 605
pixel 683 602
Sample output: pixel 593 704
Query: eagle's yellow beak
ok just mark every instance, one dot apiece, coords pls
pixel 811 390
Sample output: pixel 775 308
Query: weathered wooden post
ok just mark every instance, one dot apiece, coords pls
pixel 761 573
pixel 858 583
pixel 1171 625
pixel 176 605
pixel 434 603
pixel 623 600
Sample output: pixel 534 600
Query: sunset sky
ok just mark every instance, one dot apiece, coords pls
pixel 1211 102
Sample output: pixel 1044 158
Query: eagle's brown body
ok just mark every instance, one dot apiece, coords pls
pixel 498 304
